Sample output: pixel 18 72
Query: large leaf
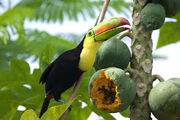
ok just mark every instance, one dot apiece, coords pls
pixel 13 92
pixel 29 115
pixel 53 10
pixel 55 112
pixel 14 19
pixel 31 45
pixel 170 32
pixel 35 41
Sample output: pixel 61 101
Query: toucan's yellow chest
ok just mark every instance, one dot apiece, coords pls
pixel 88 54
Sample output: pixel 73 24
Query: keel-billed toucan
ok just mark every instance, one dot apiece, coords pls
pixel 64 71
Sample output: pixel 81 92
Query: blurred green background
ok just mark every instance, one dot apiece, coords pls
pixel 23 44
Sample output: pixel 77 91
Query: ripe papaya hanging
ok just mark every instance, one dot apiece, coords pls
pixel 112 53
pixel 152 16
pixel 164 100
pixel 111 90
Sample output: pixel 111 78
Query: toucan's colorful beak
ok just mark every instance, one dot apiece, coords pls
pixel 110 27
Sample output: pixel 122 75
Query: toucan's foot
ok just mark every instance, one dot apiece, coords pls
pixel 63 102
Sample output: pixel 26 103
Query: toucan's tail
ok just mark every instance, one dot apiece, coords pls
pixel 44 106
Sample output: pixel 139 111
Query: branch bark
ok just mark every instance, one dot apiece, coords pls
pixel 142 62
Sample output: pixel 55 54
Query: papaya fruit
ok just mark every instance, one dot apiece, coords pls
pixel 164 100
pixel 111 90
pixel 112 53
pixel 152 16
pixel 172 7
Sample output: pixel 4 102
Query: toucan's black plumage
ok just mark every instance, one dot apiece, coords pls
pixel 61 75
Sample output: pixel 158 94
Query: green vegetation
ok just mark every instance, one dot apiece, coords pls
pixel 19 83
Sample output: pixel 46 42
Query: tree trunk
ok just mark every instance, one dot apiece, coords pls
pixel 142 64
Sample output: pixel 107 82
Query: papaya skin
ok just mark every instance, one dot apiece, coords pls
pixel 152 16
pixel 111 90
pixel 164 100
pixel 112 53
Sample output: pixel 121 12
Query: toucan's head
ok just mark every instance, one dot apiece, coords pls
pixel 96 36
pixel 108 28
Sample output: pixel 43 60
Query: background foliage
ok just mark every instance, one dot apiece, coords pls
pixel 20 86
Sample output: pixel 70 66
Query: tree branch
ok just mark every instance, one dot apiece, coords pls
pixel 141 61
pixel 76 87
pixel 103 12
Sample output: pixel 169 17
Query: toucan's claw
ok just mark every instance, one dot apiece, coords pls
pixel 63 102
pixel 69 108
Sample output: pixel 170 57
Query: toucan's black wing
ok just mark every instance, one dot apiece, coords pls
pixel 64 73
pixel 66 58
pixel 46 73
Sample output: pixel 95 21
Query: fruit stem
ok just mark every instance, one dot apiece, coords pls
pixel 156 76
pixel 124 34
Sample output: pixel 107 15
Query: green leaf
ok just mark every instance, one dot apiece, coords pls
pixel 36 74
pixel 169 33
pixel 54 113
pixel 77 110
pixel 15 17
pixel 47 56
pixel 36 41
pixel 17 14
pixel 4 35
pixel 49 10
pixel 31 45
pixel 126 113
pixel 29 115
pixel 13 92
pixel 19 66
pixel 7 112
pixel 18 75
pixel 105 115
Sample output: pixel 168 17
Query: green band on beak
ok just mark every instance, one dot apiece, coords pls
pixel 109 28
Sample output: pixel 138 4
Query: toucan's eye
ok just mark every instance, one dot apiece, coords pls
pixel 90 33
